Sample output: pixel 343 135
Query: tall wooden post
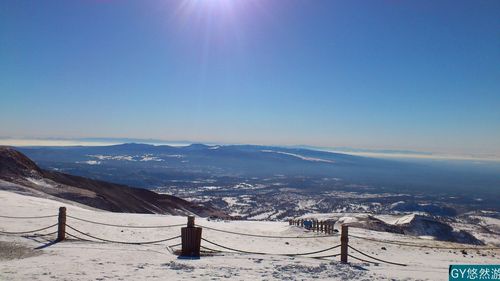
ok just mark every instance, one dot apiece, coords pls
pixel 317 225
pixel 61 228
pixel 344 240
pixel 191 239
pixel 321 225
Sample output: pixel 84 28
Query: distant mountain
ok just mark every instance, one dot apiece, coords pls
pixel 230 160
pixel 26 176
pixel 162 166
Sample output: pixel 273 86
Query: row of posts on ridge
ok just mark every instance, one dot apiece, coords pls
pixel 326 227
pixel 191 234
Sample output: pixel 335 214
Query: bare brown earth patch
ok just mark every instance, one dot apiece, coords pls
pixel 14 250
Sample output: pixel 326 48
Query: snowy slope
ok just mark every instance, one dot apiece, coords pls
pixel 20 173
pixel 418 225
pixel 77 260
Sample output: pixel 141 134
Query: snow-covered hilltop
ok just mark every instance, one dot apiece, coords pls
pixel 36 258
pixel 417 225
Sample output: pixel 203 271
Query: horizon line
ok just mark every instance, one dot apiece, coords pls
pixel 374 153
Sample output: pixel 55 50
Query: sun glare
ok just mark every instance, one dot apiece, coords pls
pixel 206 7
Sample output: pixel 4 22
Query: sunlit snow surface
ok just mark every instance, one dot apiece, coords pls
pixel 73 260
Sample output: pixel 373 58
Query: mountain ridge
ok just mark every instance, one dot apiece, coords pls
pixel 16 168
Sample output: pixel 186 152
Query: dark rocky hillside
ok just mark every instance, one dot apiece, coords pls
pixel 16 168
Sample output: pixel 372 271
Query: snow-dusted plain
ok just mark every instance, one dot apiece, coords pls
pixel 78 260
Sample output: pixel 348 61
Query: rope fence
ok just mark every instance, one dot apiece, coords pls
pixel 327 256
pixel 44 235
pixel 121 242
pixel 82 239
pixel 175 245
pixel 21 218
pixel 191 238
pixel 374 258
pixel 266 236
pixel 125 226
pixel 210 249
pixel 263 253
pixel 28 231
pixel 362 260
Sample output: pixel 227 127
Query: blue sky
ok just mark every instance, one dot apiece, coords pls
pixel 419 75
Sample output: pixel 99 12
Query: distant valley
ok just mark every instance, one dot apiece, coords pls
pixel 21 175
pixel 252 180
pixel 448 201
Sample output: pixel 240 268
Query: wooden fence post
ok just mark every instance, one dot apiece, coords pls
pixel 317 225
pixel 61 227
pixel 321 226
pixel 344 240
pixel 302 223
pixel 191 239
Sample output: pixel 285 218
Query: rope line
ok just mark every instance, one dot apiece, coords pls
pixel 26 232
pixel 421 246
pixel 361 260
pixel 317 252
pixel 261 253
pixel 43 235
pixel 320 257
pixel 328 256
pixel 210 249
pixel 267 236
pixel 125 226
pixel 236 250
pixel 122 242
pixel 38 217
pixel 377 259
pixel 82 239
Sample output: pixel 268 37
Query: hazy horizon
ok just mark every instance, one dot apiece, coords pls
pixel 384 75
pixel 367 152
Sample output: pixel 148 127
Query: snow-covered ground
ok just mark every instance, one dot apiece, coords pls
pixel 77 260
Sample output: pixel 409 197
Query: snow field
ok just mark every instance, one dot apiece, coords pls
pixel 77 260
